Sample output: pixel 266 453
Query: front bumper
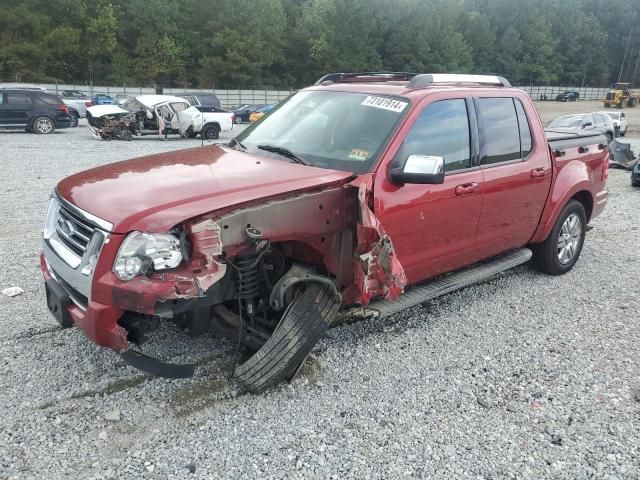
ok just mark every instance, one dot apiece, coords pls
pixel 98 321
pixel 63 121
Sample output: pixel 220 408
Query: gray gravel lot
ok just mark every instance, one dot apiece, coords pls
pixel 525 376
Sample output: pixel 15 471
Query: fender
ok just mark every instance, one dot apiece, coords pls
pixel 572 178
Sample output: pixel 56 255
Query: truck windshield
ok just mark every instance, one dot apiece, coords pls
pixel 339 130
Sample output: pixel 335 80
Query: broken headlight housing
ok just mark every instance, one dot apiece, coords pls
pixel 140 252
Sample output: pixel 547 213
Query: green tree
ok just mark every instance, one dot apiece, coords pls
pixel 100 39
pixel 243 42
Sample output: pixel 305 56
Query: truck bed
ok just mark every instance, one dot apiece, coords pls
pixel 561 140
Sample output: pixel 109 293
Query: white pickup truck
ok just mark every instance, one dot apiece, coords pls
pixel 157 115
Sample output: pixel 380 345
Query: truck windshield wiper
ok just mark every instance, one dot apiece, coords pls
pixel 235 141
pixel 285 152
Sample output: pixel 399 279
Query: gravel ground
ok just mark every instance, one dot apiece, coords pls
pixel 524 376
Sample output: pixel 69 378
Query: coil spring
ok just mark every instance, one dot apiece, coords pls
pixel 248 279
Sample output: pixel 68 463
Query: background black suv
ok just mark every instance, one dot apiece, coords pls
pixel 33 111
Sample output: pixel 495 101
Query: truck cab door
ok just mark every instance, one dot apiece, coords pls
pixel 517 173
pixel 433 227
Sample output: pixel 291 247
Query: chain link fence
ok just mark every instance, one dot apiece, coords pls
pixel 550 93
pixel 232 98
pixel 228 98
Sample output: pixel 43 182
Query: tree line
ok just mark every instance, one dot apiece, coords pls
pixel 290 43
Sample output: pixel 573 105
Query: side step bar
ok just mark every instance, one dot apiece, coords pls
pixel 440 286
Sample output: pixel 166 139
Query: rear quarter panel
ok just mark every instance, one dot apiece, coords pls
pixel 576 173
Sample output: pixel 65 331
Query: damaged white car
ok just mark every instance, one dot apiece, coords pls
pixel 156 115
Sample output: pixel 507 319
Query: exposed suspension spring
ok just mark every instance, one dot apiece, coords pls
pixel 248 279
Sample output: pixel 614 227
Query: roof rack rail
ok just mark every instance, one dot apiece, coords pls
pixel 366 77
pixel 427 79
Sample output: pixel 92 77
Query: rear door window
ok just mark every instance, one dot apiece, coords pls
pixel 526 141
pixel 501 132
pixel 14 98
pixel 442 130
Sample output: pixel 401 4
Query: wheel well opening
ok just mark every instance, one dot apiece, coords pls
pixel 585 199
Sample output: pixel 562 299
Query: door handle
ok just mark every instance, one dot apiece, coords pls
pixel 539 172
pixel 467 188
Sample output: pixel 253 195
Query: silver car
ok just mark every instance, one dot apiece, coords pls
pixel 619 122
pixel 584 123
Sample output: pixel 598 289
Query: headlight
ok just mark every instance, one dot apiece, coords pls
pixel 50 218
pixel 142 251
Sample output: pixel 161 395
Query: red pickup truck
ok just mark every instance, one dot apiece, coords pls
pixel 367 190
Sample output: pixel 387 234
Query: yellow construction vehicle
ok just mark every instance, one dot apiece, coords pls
pixel 621 96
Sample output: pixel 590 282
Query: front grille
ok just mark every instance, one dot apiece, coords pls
pixel 75 232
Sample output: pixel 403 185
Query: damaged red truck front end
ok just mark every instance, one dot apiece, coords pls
pixel 265 215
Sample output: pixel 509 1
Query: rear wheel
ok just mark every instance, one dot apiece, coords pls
pixel 302 325
pixel 609 136
pixel 43 126
pixel 74 120
pixel 561 250
pixel 211 132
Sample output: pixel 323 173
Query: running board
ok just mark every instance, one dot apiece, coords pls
pixel 440 286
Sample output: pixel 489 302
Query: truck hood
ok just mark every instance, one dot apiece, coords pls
pixel 157 192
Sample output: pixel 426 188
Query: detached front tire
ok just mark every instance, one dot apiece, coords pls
pixel 561 250
pixel 303 324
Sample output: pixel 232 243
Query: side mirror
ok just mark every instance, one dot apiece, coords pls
pixel 423 169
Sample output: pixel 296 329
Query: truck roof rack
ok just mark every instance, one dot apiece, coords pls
pixel 427 79
pixel 416 80
pixel 365 77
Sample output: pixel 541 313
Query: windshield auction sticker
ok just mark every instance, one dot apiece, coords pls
pixel 384 103
pixel 358 155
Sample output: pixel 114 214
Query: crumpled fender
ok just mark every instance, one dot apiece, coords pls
pixel 377 270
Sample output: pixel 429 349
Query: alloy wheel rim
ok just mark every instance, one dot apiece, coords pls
pixel 44 125
pixel 569 238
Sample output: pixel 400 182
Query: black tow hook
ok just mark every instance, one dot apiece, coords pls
pixel 157 367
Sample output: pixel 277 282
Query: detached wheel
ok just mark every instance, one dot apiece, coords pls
pixel 561 250
pixel 211 132
pixel 43 126
pixel 302 325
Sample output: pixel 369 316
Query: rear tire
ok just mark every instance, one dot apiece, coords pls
pixel 210 132
pixel 302 325
pixel 74 120
pixel 609 136
pixel 549 256
pixel 43 126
